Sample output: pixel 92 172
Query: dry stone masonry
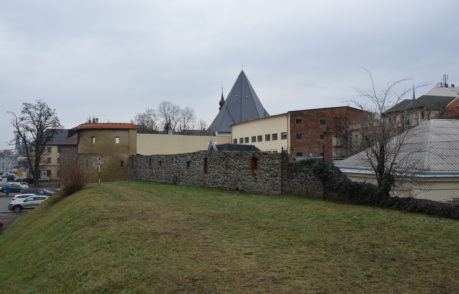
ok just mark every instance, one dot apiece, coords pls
pixel 253 172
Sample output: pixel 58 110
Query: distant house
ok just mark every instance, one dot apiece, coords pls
pixel 430 162
pixel 50 160
pixel 432 105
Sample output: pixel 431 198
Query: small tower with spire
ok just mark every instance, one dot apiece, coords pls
pixel 414 93
pixel 222 101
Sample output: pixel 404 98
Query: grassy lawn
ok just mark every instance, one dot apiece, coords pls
pixel 130 237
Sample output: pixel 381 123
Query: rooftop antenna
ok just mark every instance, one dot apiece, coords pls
pixel 445 80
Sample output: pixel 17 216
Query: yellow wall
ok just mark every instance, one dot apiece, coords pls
pixel 271 125
pixel 149 144
pixel 53 166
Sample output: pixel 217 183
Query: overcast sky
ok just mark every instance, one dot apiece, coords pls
pixel 112 59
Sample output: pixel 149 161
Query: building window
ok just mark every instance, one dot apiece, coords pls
pixel 48 173
pixel 122 163
pixel 299 136
pixel 159 163
pixel 58 149
pixel 149 163
pixel 241 140
pixel 254 139
pixel 299 121
pixel 284 135
pixel 267 137
pixel 298 154
pixel 93 140
pixel 58 160
pixel 259 138
pixel 235 141
pixel 117 140
pixel 323 122
pixel 188 164
pixel 274 136
pixel 321 136
pixel 48 149
pixel 48 160
pixel 246 140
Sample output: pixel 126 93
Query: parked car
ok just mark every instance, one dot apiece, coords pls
pixel 15 187
pixel 22 196
pixel 27 203
pixel 37 191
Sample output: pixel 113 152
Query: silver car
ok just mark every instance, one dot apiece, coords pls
pixel 26 203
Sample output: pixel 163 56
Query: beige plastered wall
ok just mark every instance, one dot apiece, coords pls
pixel 114 158
pixel 151 144
pixel 436 189
pixel 271 125
pixel 53 166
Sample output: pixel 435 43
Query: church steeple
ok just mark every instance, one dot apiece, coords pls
pixel 414 94
pixel 222 101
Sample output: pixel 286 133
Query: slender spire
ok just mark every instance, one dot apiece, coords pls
pixel 222 101
pixel 414 93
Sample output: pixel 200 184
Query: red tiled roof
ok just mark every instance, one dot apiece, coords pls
pixel 104 126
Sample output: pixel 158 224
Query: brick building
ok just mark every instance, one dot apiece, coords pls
pixel 303 133
pixel 323 132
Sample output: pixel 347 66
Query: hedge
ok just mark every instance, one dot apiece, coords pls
pixel 364 193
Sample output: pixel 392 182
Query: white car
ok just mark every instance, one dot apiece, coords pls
pixel 22 196
pixel 26 203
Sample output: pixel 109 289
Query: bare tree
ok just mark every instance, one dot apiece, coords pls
pixel 202 125
pixel 169 114
pixel 187 119
pixel 147 121
pixel 75 173
pixel 36 125
pixel 382 137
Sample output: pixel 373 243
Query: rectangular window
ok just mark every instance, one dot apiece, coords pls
pixel 274 136
pixel 48 173
pixel 117 140
pixel 323 122
pixel 241 140
pixel 267 137
pixel 48 160
pixel 259 138
pixel 122 163
pixel 254 139
pixel 284 135
pixel 58 160
pixel 93 140
pixel 58 149
pixel 246 140
pixel 321 136
pixel 49 149
pixel 299 136
pixel 234 141
pixel 299 121
pixel 299 154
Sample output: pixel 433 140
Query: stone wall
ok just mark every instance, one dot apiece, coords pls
pixel 253 172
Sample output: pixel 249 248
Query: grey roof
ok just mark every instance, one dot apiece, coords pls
pixel 431 150
pixel 427 102
pixel 241 104
pixel 236 147
pixel 59 136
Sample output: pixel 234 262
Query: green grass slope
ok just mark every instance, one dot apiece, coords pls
pixel 147 238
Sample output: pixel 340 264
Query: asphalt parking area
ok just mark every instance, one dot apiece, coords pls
pixel 7 217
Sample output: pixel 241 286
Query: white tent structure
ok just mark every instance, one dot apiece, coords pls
pixel 429 158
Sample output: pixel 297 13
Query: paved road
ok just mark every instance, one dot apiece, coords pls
pixel 6 216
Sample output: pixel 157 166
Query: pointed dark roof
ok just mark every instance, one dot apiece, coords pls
pixel 241 104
